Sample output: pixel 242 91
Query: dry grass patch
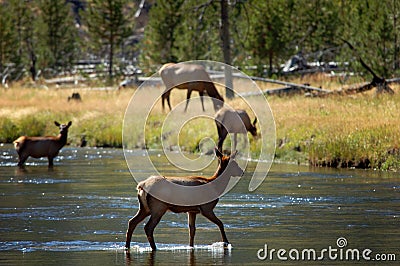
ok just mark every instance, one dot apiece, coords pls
pixel 341 131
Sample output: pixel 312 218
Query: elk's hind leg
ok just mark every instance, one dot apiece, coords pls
pixel 139 217
pixel 192 227
pixel 22 159
pixel 50 158
pixel 165 96
pixel 189 92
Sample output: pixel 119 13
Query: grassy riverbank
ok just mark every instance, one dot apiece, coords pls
pixel 339 131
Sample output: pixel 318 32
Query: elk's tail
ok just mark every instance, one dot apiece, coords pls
pixel 18 143
pixel 142 196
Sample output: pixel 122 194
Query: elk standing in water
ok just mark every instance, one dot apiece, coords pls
pixel 37 147
pixel 191 78
pixel 156 208
pixel 233 121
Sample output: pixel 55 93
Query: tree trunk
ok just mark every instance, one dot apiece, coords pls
pixel 111 58
pixel 225 37
pixel 32 69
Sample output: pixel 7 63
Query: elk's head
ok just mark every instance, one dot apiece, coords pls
pixel 253 129
pixel 228 164
pixel 63 127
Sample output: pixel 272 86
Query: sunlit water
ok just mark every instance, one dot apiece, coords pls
pixel 77 214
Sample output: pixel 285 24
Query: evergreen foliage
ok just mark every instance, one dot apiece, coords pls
pixel 58 34
pixel 46 35
pixel 109 24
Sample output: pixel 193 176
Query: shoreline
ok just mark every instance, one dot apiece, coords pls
pixel 340 131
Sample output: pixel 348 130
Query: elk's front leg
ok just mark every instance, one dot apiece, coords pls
pixel 210 215
pixel 157 210
pixel 21 160
pixel 221 137
pixel 234 141
pixel 50 158
pixel 201 94
pixel 149 229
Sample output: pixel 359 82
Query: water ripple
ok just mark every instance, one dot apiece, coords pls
pixel 37 181
pixel 81 245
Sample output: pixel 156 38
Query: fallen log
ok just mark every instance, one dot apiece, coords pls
pixel 383 87
pixel 306 86
pixel 307 90
pixel 285 91
pixel 289 89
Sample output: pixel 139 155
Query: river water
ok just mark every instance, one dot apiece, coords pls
pixel 77 214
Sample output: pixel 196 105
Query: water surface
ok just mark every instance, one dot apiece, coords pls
pixel 77 214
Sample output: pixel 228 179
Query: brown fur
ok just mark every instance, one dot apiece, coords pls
pixel 149 205
pixel 191 78
pixel 227 121
pixel 37 147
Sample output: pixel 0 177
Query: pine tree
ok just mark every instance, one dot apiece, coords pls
pixel 261 36
pixel 7 39
pixel 58 34
pixel 24 14
pixel 159 45
pixel 197 35
pixel 109 24
pixel 370 26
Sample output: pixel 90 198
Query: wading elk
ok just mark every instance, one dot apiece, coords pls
pixel 37 147
pixel 233 121
pixel 189 77
pixel 156 208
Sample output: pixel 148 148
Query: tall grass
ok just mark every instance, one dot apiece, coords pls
pixel 360 131
pixel 339 131
pixel 32 111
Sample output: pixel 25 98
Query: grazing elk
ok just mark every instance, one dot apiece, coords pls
pixel 75 97
pixel 233 121
pixel 37 147
pixel 156 208
pixel 189 77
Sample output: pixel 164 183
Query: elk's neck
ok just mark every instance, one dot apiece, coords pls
pixel 219 172
pixel 62 139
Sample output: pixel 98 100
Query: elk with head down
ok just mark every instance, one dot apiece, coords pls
pixel 233 121
pixel 189 77
pixel 37 147
pixel 205 204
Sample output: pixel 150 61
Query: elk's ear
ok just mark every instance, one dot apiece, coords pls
pixel 69 123
pixel 233 155
pixel 218 153
pixel 56 123
pixel 255 121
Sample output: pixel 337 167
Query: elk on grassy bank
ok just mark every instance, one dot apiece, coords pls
pixel 189 77
pixel 38 147
pixel 203 203
pixel 233 121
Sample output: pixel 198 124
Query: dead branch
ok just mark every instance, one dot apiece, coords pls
pixel 380 83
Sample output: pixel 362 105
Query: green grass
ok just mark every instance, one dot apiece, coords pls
pixel 361 131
